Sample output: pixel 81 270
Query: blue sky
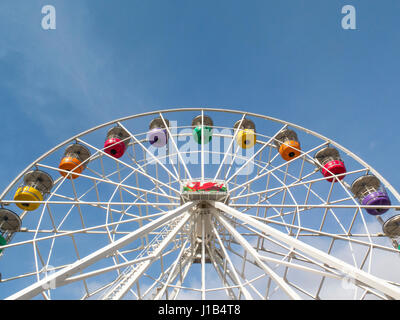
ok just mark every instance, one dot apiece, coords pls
pixel 287 59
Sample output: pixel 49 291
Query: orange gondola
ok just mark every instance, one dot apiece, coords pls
pixel 74 160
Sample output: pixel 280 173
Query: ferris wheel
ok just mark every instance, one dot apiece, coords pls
pixel 199 203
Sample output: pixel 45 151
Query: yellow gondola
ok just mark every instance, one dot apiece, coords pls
pixel 36 185
pixel 246 137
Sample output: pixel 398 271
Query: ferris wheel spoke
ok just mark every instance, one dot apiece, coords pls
pixel 156 185
pixel 157 282
pixel 95 187
pixel 298 181
pixel 202 155
pixel 265 166
pixel 334 274
pixel 170 272
pixel 330 208
pixel 184 270
pixel 158 236
pixel 287 190
pixel 346 190
pixel 77 205
pixel 328 273
pixel 38 258
pixel 231 266
pixel 31 274
pixel 358 211
pixel 88 230
pixel 97 272
pixel 302 208
pixel 359 275
pixel 157 182
pixel 260 247
pixel 109 214
pixel 300 267
pixel 224 272
pixel 287 187
pixel 250 250
pixel 130 277
pixel 119 226
pixel 176 266
pixel 220 268
pixel 102 205
pixel 304 263
pixel 147 151
pixel 78 257
pixel 95 292
pixel 121 197
pixel 61 275
pixel 229 148
pixel 294 184
pixel 136 203
pixel 99 204
pixel 111 182
pixel 304 154
pixel 235 155
pixel 176 148
pixel 332 204
pixel 316 233
pixel 255 154
pixel 278 214
pixel 139 169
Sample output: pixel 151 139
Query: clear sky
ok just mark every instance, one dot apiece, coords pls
pixel 287 59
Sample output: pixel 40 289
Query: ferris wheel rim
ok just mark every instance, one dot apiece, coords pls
pixel 233 111
pixel 161 112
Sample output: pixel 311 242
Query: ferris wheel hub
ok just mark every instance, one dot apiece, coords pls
pixel 196 190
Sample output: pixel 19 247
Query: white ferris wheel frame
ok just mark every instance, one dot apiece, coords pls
pixel 223 213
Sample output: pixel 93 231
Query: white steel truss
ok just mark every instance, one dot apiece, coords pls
pixel 346 269
pixel 122 229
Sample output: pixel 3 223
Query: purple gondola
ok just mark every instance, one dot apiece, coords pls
pixel 158 134
pixel 370 192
